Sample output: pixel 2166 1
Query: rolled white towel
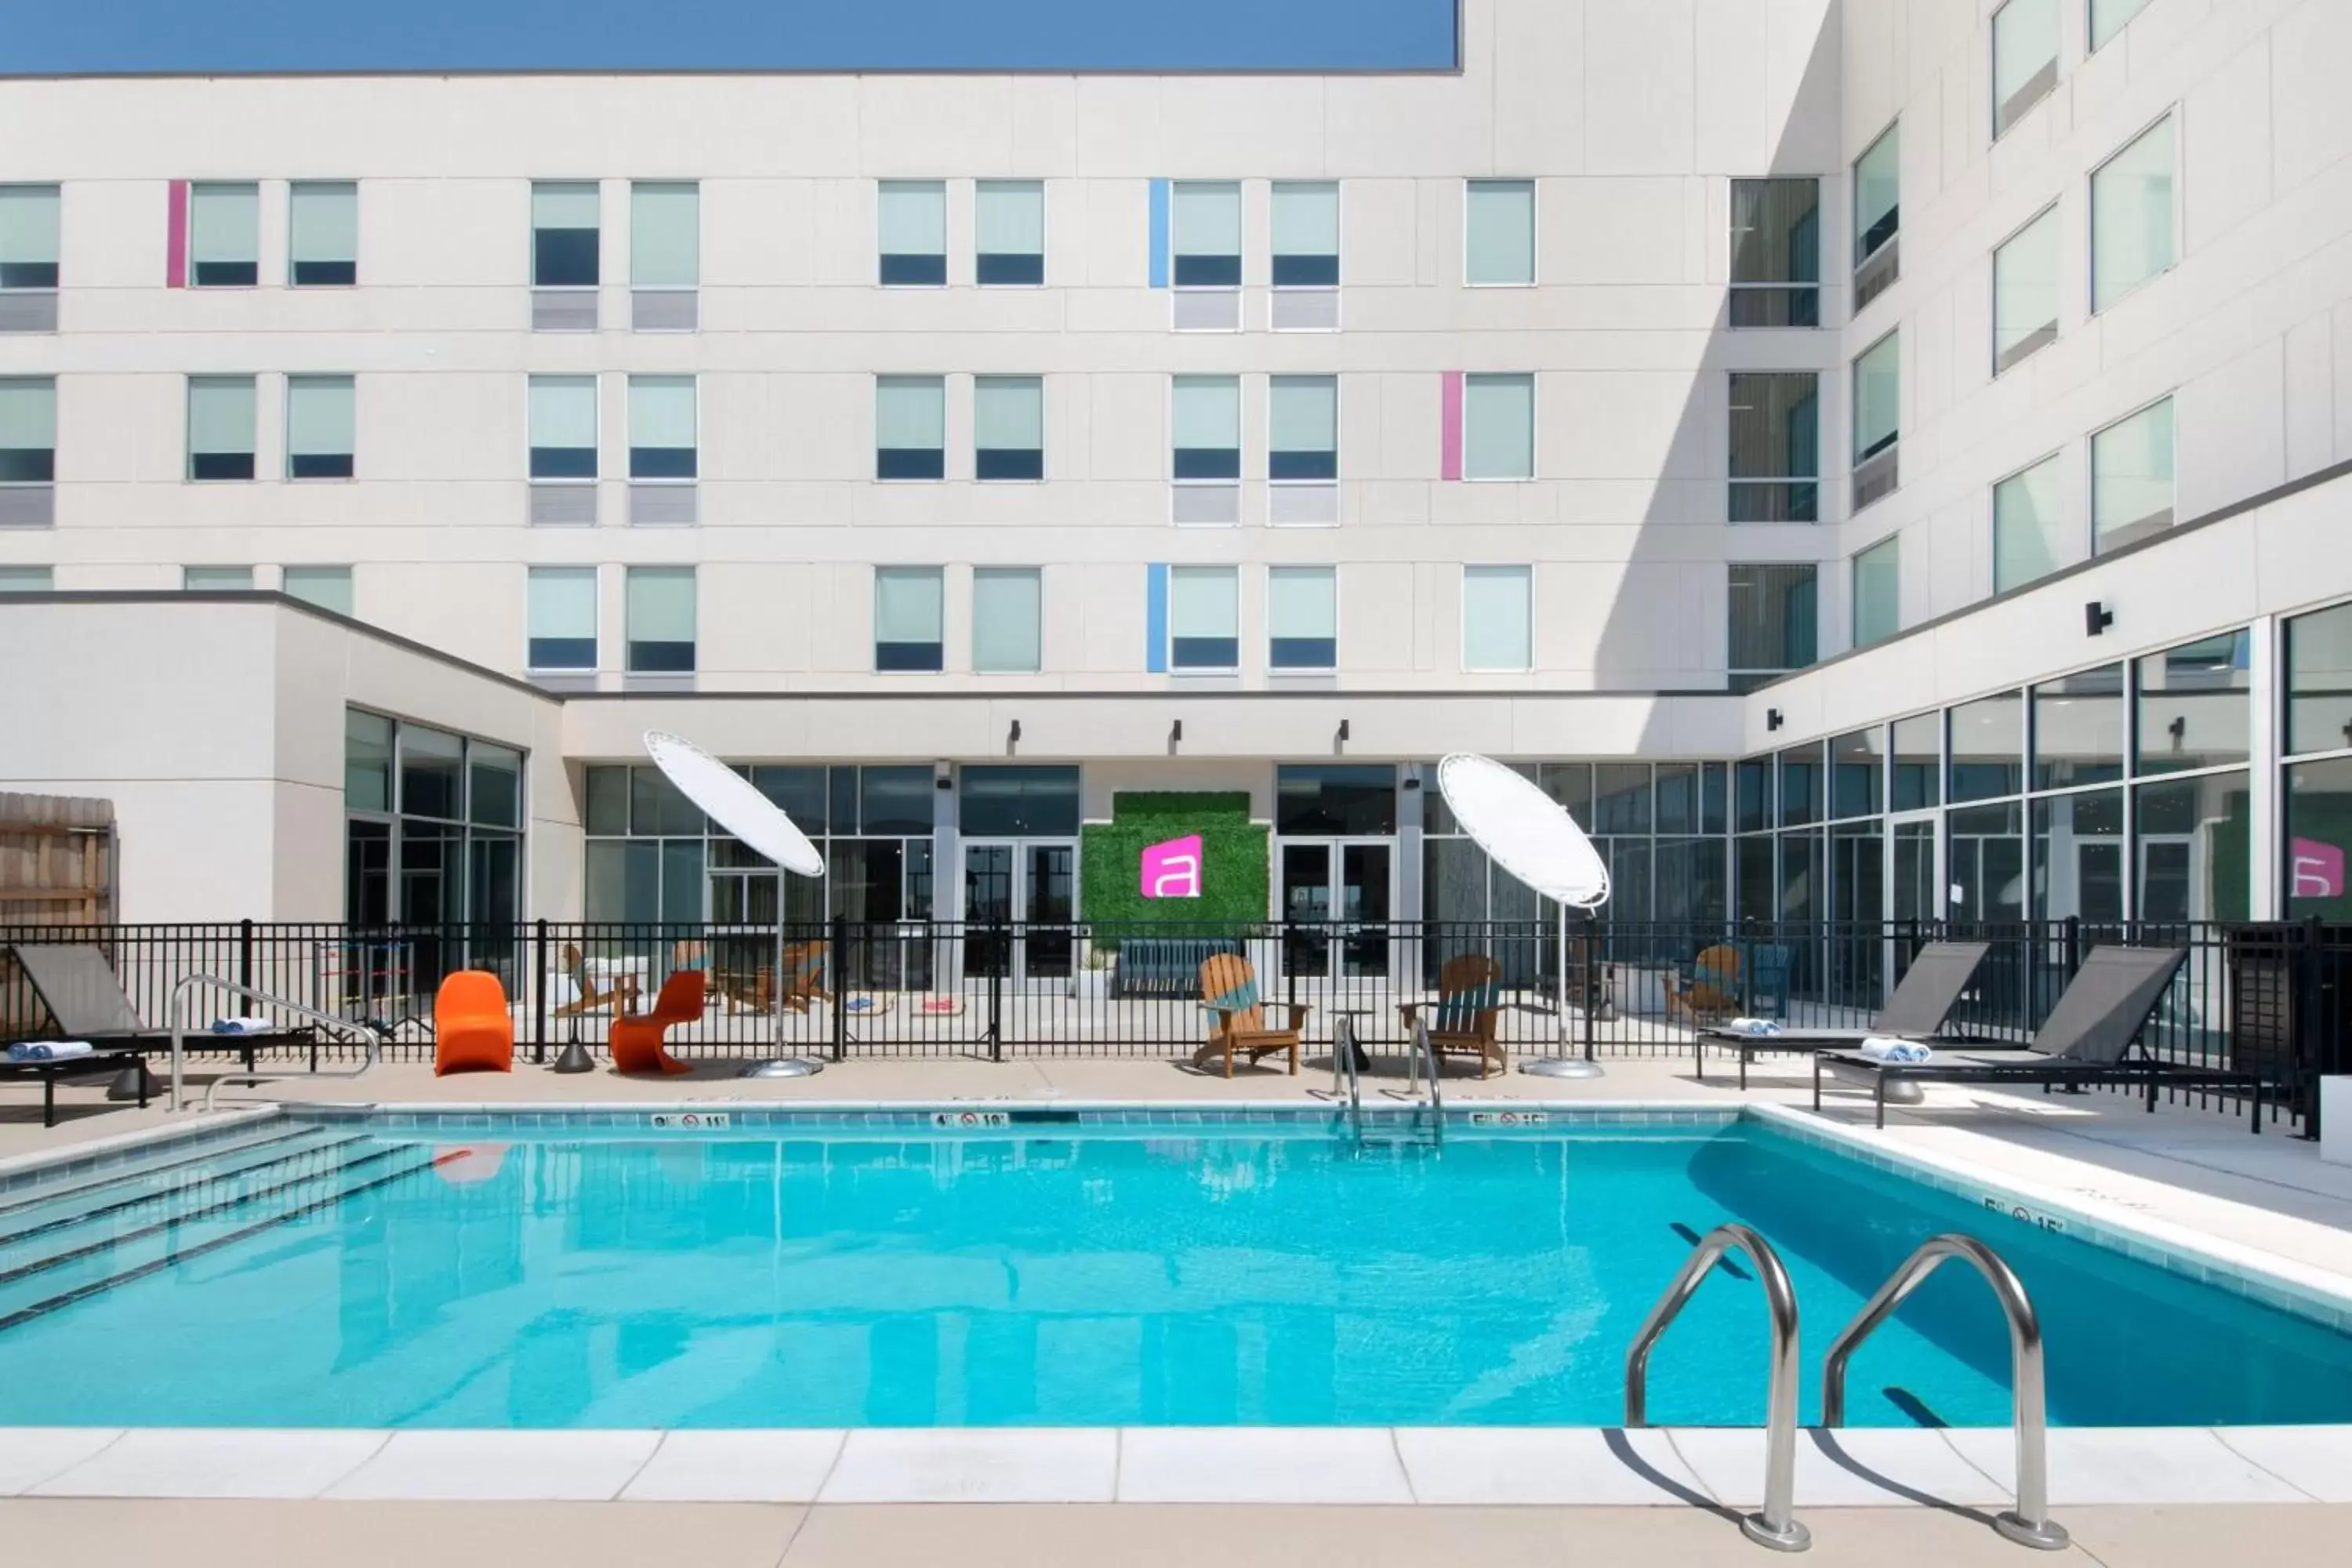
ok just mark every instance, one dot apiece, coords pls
pixel 1886 1049
pixel 49 1050
pixel 247 1024
pixel 1758 1027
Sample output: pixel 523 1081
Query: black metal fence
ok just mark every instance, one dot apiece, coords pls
pixel 2274 999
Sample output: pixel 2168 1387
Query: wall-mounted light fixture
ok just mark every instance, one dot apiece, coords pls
pixel 1013 736
pixel 1343 729
pixel 1771 718
pixel 943 775
pixel 2178 730
pixel 2097 618
pixel 1175 731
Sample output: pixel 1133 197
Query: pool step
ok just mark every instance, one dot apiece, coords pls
pixel 135 1168
pixel 176 1188
pixel 71 1265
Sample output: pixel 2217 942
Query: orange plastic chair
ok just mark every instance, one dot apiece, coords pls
pixel 472 1029
pixel 636 1038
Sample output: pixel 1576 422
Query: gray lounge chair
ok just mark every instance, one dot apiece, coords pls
pixel 86 1002
pixel 2093 1036
pixel 1924 998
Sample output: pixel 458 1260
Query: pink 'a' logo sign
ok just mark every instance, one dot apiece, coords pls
pixel 2319 870
pixel 1172 870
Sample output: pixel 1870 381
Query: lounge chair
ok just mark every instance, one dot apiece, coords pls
pixel 2090 1038
pixel 1925 997
pixel 621 996
pixel 1462 1020
pixel 48 1071
pixel 1229 991
pixel 473 1028
pixel 636 1038
pixel 86 1002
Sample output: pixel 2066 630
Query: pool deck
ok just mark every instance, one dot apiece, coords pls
pixel 1144 1496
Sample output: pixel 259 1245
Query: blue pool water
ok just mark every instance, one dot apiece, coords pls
pixel 330 1276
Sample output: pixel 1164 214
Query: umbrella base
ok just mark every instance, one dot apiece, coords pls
pixel 782 1066
pixel 1561 1067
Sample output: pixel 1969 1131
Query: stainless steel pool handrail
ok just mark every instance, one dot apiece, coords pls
pixel 284 1004
pixel 1775 1526
pixel 1425 1052
pixel 1345 1076
pixel 2029 1524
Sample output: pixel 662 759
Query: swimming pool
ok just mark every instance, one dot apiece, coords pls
pixel 1066 1268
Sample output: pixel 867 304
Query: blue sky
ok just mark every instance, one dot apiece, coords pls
pixel 46 36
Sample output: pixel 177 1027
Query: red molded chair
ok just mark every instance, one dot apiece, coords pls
pixel 636 1038
pixel 473 1031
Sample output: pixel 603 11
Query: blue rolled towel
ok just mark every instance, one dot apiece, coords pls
pixel 47 1050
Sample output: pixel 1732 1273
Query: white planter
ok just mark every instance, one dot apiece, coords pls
pixel 2336 1119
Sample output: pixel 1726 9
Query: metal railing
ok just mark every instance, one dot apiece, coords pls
pixel 1776 1525
pixel 1424 1059
pixel 372 1036
pixel 1346 1082
pixel 2029 1524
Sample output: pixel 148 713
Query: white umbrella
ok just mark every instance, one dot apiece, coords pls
pixel 729 799
pixel 1530 835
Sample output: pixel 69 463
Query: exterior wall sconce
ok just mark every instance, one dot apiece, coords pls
pixel 1175 731
pixel 1012 737
pixel 2097 618
pixel 1771 718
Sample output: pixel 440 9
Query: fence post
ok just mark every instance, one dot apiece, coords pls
pixel 539 1007
pixel 1747 966
pixel 1592 970
pixel 838 947
pixel 244 960
pixel 1000 953
pixel 2306 1019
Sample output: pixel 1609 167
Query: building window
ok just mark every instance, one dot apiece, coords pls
pixel 1007 615
pixel 2078 729
pixel 328 587
pixel 1203 618
pixel 223 236
pixel 661 619
pixel 561 616
pixel 661 427
pixel 433 842
pixel 2028 538
pixel 664 233
pixel 2319 684
pixel 1877 419
pixel 2131 477
pixel 1499 237
pixel 2026 291
pixel 2109 17
pixel 28 236
pixel 1776 446
pixel 220 427
pixel 2132 216
pixel 910 610
pixel 2024 59
pixel 320 426
pixel 1498 427
pixel 1877 204
pixel 564 427
pixel 1009 219
pixel 1303 428
pixel 29 430
pixel 1498 618
pixel 563 234
pixel 1008 424
pixel 1776 253
pixel 1772 623
pixel 1306 234
pixel 1206 428
pixel 1878 592
pixel 26 580
pixel 322 234
pixel 912 228
pixel 2196 708
pixel 216 579
pixel 1302 614
pixel 910 427
pixel 1207 233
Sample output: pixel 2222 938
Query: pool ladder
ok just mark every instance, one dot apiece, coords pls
pixel 1776 1524
pixel 1347 1085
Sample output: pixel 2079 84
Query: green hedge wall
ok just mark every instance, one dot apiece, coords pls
pixel 1235 859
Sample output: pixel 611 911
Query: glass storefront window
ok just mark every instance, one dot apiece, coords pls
pixel 2319 681
pixel 432 777
pixel 1690 797
pixel 1801 785
pixel 494 785
pixel 1988 748
pixel 367 761
pixel 1800 878
pixel 433 846
pixel 1013 802
pixel 1335 800
pixel 1986 860
pixel 1857 771
pixel 1571 784
pixel 2318 840
pixel 898 801
pixel 1918 762
pixel 798 793
pixel 1621 800
pixel 656 809
pixel 2190 839
pixel 2078 729
pixel 2078 857
pixel 2194 707
pixel 1755 786
pixel 1759 895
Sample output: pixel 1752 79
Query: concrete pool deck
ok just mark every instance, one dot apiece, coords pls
pixel 2154 1497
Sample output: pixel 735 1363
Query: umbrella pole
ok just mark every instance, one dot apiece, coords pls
pixel 780 1065
pixel 1563 1065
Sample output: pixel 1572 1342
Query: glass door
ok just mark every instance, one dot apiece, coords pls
pixel 1363 900
pixel 1306 903
pixel 1338 896
pixel 1049 875
pixel 988 874
pixel 1030 887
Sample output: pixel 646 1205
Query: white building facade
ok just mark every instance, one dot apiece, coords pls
pixel 968 451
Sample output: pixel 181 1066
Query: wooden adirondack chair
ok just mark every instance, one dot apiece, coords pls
pixel 1712 992
pixel 1462 1020
pixel 620 997
pixel 1237 1018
